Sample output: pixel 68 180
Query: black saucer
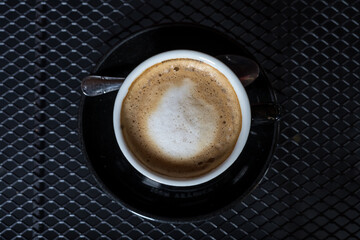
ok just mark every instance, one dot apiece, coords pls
pixel 144 196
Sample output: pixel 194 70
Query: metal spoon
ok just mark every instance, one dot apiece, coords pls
pixel 246 70
pixel 97 85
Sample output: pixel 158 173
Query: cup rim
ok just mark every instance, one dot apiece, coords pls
pixel 244 106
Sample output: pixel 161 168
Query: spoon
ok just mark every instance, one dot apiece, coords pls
pixel 97 85
pixel 245 69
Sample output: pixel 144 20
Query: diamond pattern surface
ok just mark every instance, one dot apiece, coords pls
pixel 310 51
pixel 17 122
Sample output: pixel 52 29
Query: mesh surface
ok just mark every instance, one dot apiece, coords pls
pixel 310 51
pixel 17 122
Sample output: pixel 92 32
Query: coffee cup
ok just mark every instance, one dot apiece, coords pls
pixel 181 118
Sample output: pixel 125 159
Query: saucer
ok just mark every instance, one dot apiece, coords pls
pixel 134 191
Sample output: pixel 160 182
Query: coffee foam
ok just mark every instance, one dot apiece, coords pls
pixel 181 118
pixel 182 125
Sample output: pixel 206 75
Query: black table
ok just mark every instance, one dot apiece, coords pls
pixel 310 51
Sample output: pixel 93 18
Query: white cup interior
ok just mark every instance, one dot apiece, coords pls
pixel 244 105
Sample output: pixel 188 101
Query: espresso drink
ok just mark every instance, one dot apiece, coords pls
pixel 181 118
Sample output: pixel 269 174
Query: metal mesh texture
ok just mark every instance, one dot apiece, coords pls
pixel 17 119
pixel 310 50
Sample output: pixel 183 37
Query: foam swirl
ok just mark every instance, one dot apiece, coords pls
pixel 181 118
pixel 182 125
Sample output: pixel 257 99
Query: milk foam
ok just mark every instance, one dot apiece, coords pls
pixel 182 126
pixel 181 118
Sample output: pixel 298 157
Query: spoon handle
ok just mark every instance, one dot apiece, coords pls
pixel 97 85
pixel 246 70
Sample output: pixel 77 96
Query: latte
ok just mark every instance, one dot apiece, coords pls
pixel 181 118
